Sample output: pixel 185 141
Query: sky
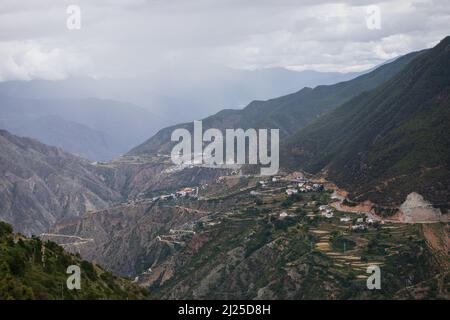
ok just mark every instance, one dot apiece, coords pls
pixel 140 37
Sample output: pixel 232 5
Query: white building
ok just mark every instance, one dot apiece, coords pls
pixel 283 215
pixel 290 192
pixel 328 214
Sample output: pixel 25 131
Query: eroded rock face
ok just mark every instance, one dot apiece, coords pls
pixel 416 209
pixel 40 184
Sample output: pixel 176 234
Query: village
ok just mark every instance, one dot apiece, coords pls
pixel 292 186
pixel 302 220
pixel 283 197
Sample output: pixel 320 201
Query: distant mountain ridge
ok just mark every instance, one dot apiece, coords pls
pixel 167 94
pixel 93 128
pixel 71 136
pixel 288 113
pixel 381 135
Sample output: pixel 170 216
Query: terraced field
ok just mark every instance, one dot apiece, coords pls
pixel 268 245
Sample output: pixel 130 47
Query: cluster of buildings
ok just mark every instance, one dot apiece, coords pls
pixel 183 193
pixel 362 224
pixel 304 187
pixel 307 186
pixel 302 184
pixel 293 185
pixel 291 191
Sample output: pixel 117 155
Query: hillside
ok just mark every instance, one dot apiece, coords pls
pixel 235 244
pixel 388 142
pixel 40 184
pixel 33 269
pixel 288 113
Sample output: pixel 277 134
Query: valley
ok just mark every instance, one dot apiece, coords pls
pixel 363 183
pixel 252 237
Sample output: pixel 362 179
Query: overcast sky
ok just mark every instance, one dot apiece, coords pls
pixel 150 36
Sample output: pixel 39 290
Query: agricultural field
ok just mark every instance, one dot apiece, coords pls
pixel 268 245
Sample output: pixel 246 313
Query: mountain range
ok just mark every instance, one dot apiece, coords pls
pixel 381 136
pixel 371 134
pixel 93 128
pixel 87 117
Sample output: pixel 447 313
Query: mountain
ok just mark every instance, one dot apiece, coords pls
pixel 94 128
pixel 240 239
pixel 234 244
pixel 71 136
pixel 124 236
pixel 40 184
pixel 33 269
pixel 288 113
pixel 167 94
pixel 388 142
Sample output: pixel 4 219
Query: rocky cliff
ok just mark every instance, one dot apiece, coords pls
pixel 40 184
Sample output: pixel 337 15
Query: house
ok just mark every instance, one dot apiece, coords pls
pixel 283 215
pixel 326 211
pixel 360 220
pixel 262 183
pixel 328 214
pixel 181 194
pixel 291 191
pixel 188 190
pixel 345 219
pixel 298 179
pixel 359 226
pixel 317 187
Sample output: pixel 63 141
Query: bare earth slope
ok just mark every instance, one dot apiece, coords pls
pixel 40 184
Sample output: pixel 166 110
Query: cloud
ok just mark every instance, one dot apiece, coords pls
pixel 123 39
pixel 28 60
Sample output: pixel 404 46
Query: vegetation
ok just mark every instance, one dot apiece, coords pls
pixel 388 142
pixel 32 269
pixel 257 253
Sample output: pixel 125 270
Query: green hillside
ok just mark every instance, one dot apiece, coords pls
pixel 32 269
pixel 388 142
